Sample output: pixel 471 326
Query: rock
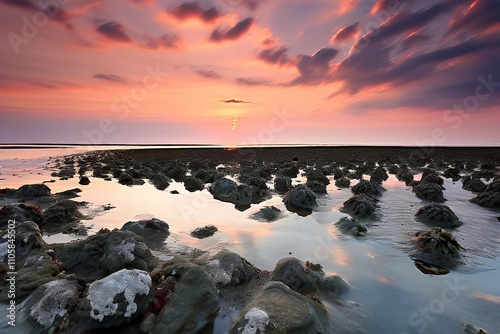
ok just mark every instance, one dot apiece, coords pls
pixel 296 276
pixel 19 213
pixel 193 303
pixel 368 188
pixel 223 189
pixel 437 247
pixel 29 191
pixel 32 271
pixel 470 329
pixel 379 176
pixel 317 175
pixel 359 206
pixel 430 269
pixel 69 194
pixel 473 185
pixel 204 232
pixel 27 238
pixel 84 180
pixel 300 200
pixel 267 214
pixel 176 172
pixel 160 181
pixel 125 179
pixel 405 175
pixel 154 231
pixel 351 226
pixel 193 184
pixel 290 172
pixel 104 253
pixel 64 216
pixel 226 267
pixel 317 187
pixel 278 309
pixel 282 184
pixel 242 197
pixel 429 191
pixel 452 173
pixel 490 197
pixel 438 215
pixel 342 182
pixel 50 304
pixel 114 300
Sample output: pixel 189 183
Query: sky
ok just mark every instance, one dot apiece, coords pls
pixel 236 72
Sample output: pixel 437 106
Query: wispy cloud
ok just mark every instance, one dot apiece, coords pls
pixel 110 77
pixel 232 33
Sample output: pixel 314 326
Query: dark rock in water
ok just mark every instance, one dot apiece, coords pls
pixel 359 206
pixel 114 300
pixel 430 269
pixel 438 215
pixel 342 182
pixel 470 329
pixel 498 218
pixel 117 173
pixel 84 180
pixel 338 173
pixel 431 176
pixel 176 172
pixel 50 304
pixel 29 191
pixel 64 216
pixel 317 175
pixel 204 232
pixel 282 184
pixel 193 303
pixel 160 181
pixel 405 175
pixel 154 231
pixel 317 186
pixel 290 172
pixel 268 214
pixel 452 173
pixel 429 191
pixel 226 267
pixel 27 238
pixel 306 277
pixel 193 184
pixel 20 213
pixel 490 198
pixel 474 185
pixel 379 176
pixel 223 188
pixel 300 200
pixel 125 179
pixel 68 194
pixel 278 309
pixel 104 253
pixel 351 226
pixel 243 196
pixel 367 187
pixel 437 247
pixel 174 192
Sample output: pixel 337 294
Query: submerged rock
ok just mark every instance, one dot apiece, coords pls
pixel 438 215
pixel 317 187
pixel 473 185
pixel 404 175
pixel 154 231
pixel 204 232
pixel 193 184
pixel 278 309
pixel 125 179
pixel 351 226
pixel 430 269
pixel 160 181
pixel 84 180
pixel 437 247
pixel 64 217
pixel 227 190
pixel 300 200
pixel 342 182
pixel 359 206
pixel 379 176
pixel 282 184
pixel 267 214
pixel 368 188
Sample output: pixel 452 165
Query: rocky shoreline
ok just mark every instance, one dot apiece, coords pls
pixel 129 280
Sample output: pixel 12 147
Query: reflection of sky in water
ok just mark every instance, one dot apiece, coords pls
pixel 386 288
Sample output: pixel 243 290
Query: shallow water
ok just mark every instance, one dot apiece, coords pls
pixel 388 293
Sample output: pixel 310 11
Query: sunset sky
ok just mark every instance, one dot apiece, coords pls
pixel 232 72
